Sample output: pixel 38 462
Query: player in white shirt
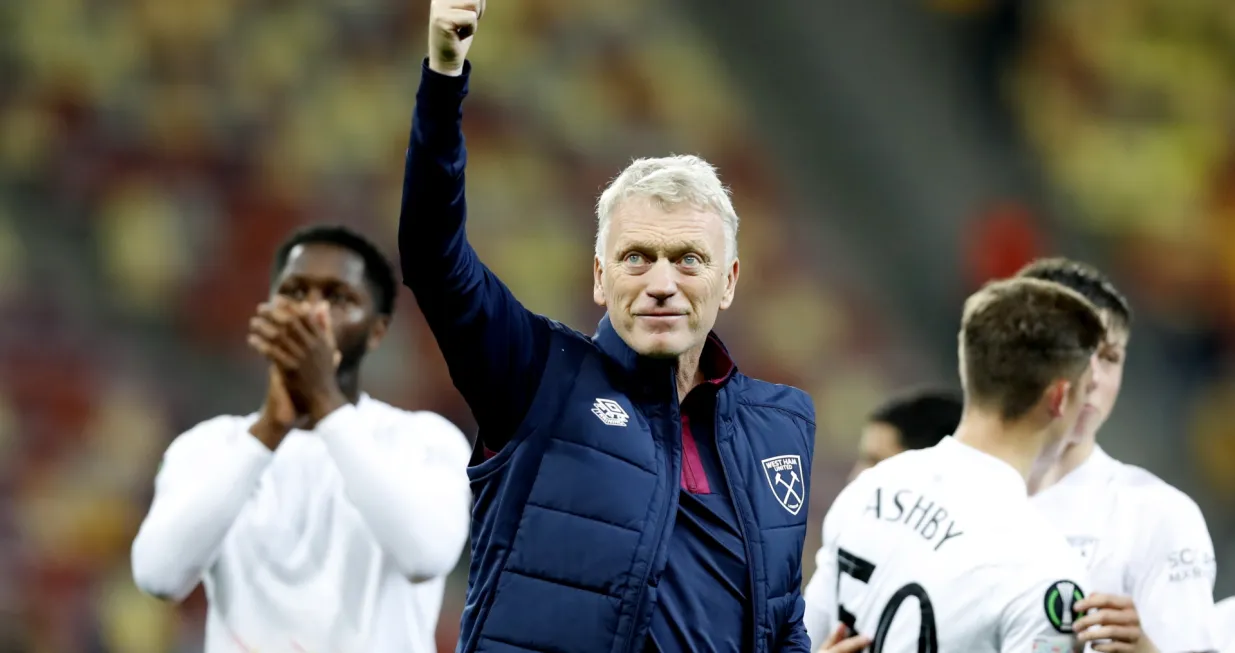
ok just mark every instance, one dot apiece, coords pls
pixel 327 522
pixel 1141 538
pixel 1224 624
pixel 939 550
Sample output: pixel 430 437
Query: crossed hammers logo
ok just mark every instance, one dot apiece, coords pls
pixel 789 487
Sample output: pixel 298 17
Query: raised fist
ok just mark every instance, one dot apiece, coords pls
pixel 452 23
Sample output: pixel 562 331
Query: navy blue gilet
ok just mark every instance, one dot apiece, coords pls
pixel 572 517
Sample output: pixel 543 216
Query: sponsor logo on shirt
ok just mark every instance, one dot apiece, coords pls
pixel 784 474
pixel 1190 564
pixel 1060 604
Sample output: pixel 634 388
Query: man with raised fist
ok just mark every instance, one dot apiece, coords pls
pixel 634 491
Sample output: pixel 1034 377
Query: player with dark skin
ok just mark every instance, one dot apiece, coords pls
pixel 321 320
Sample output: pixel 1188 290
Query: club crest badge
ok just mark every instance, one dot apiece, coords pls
pixel 784 474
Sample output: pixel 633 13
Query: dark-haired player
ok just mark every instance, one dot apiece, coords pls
pixel 1146 543
pixel 939 549
pixel 327 520
pixel 917 419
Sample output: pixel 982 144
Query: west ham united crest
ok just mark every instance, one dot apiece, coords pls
pixel 785 476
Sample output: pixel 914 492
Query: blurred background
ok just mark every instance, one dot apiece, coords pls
pixel 886 157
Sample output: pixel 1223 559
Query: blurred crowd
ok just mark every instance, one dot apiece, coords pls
pixel 155 153
pixel 1128 105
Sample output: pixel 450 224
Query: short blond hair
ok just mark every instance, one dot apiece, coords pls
pixel 680 180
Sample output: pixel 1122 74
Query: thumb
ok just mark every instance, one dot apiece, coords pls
pixel 836 636
pixel 321 318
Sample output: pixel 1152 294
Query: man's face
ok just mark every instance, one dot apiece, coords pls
pixel 879 442
pixel 320 272
pixel 1108 373
pixel 664 277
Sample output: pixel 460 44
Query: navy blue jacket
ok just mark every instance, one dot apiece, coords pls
pixel 574 512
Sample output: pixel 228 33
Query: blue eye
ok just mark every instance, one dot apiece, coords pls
pixel 634 259
pixel 690 260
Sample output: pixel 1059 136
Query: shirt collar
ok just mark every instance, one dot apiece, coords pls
pixel 715 361
pixel 991 472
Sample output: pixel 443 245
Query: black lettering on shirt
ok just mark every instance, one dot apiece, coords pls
pixel 926 519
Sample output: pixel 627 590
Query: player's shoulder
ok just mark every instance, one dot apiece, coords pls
pixel 909 468
pixel 388 413
pixel 902 469
pixel 210 428
pixel 206 435
pixel 423 427
pixel 907 464
pixel 1141 480
pixel 1226 610
pixel 766 394
pixel 1155 498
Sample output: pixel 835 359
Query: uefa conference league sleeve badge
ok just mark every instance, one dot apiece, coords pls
pixel 1060 601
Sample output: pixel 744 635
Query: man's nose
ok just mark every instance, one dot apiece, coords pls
pixel 662 280
pixel 313 297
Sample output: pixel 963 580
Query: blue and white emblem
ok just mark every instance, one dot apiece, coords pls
pixel 784 475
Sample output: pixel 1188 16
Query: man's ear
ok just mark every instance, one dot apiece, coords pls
pixel 731 284
pixel 1057 397
pixel 378 332
pixel 598 281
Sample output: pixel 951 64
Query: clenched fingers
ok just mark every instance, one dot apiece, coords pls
pixel 1121 634
pixel 1115 647
pixel 838 643
pixel 1112 601
pixel 273 351
pixel 1107 616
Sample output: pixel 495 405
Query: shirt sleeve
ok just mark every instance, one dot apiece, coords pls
pixel 1039 618
pixel 820 594
pixel 1224 624
pixel 1173 587
pixel 407 477
pixel 494 347
pixel 206 477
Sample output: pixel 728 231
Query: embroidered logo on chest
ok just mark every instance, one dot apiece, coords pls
pixel 610 412
pixel 784 474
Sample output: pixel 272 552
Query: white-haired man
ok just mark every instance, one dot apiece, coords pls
pixel 634 492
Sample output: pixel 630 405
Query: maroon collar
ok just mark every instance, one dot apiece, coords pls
pixel 715 361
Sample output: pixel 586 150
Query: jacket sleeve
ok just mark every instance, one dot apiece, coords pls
pixel 494 348
pixel 206 477
pixel 407 477
pixel 796 638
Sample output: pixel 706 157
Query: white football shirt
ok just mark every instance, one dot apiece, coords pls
pixel 1224 624
pixel 338 541
pixel 1142 538
pixel 940 550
